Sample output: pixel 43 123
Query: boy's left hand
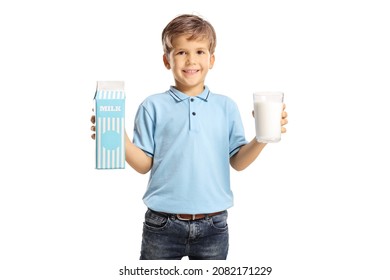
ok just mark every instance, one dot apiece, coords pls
pixel 284 120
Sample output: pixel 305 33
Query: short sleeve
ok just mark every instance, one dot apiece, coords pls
pixel 143 136
pixel 236 132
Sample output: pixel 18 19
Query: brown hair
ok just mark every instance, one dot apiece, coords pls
pixel 194 26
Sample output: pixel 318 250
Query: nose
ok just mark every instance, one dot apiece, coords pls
pixel 191 58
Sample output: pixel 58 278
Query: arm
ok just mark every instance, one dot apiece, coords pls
pixel 249 152
pixel 137 158
pixel 246 155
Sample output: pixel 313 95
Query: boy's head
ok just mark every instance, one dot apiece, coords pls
pixel 191 25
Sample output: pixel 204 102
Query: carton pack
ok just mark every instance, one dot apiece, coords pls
pixel 110 124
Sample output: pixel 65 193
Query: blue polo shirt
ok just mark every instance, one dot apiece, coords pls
pixel 191 139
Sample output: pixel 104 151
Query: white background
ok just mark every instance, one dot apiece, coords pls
pixel 314 206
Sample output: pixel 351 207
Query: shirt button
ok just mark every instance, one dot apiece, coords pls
pixel 192 100
pixel 193 113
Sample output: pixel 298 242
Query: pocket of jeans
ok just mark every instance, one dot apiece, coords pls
pixel 219 221
pixel 155 221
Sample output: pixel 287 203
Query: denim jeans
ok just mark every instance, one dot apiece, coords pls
pixel 165 237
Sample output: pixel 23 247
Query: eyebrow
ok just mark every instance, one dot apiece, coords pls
pixel 175 50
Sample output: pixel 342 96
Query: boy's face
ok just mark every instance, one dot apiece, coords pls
pixel 190 61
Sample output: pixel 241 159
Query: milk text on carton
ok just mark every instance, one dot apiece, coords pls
pixel 110 108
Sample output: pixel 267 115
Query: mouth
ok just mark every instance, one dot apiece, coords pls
pixel 190 71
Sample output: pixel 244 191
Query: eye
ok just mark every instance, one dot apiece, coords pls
pixel 201 52
pixel 181 53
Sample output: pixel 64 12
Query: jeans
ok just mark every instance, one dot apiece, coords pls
pixel 165 237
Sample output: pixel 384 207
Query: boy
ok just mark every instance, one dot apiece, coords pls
pixel 187 137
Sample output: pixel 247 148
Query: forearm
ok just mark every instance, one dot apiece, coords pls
pixel 137 158
pixel 246 155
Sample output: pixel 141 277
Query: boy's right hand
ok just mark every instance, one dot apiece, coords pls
pixel 93 127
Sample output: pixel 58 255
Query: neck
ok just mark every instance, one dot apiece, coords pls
pixel 191 91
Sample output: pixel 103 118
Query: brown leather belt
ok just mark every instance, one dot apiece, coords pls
pixel 192 217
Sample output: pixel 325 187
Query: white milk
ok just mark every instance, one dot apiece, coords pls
pixel 267 119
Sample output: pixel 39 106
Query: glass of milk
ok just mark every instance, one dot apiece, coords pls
pixel 268 108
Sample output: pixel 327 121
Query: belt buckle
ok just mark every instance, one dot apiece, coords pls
pixel 184 219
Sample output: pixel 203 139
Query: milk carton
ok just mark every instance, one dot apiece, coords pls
pixel 110 124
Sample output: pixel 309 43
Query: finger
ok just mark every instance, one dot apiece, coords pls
pixel 284 114
pixel 284 121
pixel 93 136
pixel 93 119
pixel 284 130
pixel 93 128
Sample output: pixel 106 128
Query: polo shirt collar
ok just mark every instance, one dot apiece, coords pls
pixel 179 96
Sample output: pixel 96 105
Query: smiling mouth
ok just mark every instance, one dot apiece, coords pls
pixel 190 71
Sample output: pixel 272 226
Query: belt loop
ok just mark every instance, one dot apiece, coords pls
pixel 193 216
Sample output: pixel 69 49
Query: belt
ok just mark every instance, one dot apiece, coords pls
pixel 192 217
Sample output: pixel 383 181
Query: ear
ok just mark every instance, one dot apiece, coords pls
pixel 212 60
pixel 166 62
